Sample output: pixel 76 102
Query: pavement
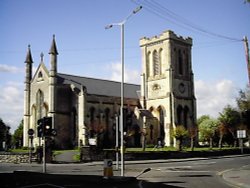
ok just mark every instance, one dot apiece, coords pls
pixel 239 177
pixel 66 157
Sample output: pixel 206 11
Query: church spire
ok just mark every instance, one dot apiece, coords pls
pixel 53 58
pixel 53 48
pixel 28 67
pixel 29 56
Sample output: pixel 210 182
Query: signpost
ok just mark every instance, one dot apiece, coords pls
pixel 241 134
pixel 30 133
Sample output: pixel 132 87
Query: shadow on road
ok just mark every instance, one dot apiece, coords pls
pixel 28 179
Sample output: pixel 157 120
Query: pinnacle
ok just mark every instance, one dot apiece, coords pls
pixel 53 48
pixel 29 56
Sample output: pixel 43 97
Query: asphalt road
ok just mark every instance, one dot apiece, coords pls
pixel 199 172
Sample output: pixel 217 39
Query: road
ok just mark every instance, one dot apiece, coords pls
pixel 199 172
pixel 193 173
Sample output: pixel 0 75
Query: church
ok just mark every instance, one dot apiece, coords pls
pixel 83 109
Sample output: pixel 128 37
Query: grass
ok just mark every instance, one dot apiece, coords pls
pixel 58 152
pixel 149 149
pixel 20 150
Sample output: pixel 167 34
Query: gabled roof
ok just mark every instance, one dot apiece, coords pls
pixel 39 68
pixel 99 86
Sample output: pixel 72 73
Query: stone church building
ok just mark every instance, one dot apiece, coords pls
pixel 83 108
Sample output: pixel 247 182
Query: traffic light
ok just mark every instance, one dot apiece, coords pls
pixel 44 127
pixel 40 127
pixel 47 126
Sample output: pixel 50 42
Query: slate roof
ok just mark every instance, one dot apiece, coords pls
pixel 99 86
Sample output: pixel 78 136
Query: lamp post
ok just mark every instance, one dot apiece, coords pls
pixel 121 24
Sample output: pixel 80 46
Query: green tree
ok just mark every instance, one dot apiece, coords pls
pixel 192 132
pixel 207 130
pixel 202 118
pixel 230 118
pixel 5 136
pixel 222 130
pixel 17 138
pixel 243 102
pixel 179 132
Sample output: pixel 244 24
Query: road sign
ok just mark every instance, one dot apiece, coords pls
pixel 241 134
pixel 30 132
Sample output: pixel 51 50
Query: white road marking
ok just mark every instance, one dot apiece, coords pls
pixel 180 169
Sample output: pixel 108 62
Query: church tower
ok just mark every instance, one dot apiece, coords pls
pixel 27 90
pixel 167 83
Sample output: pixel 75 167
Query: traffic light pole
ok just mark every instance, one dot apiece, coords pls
pixel 44 154
pixel 44 131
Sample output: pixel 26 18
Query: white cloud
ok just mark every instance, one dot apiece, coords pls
pixel 9 69
pixel 11 102
pixel 130 75
pixel 213 97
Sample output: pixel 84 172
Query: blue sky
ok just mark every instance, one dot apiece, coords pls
pixel 87 49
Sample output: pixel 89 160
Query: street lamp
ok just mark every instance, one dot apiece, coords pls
pixel 121 24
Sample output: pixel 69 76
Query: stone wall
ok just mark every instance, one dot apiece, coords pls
pixel 7 157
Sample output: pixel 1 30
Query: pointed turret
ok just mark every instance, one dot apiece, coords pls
pixel 28 67
pixel 53 58
pixel 29 56
pixel 53 48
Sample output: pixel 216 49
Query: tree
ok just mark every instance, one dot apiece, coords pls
pixel 5 136
pixel 207 129
pixel 192 132
pixel 202 118
pixel 230 119
pixel 17 138
pixel 243 102
pixel 179 133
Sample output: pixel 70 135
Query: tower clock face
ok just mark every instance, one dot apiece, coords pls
pixel 181 87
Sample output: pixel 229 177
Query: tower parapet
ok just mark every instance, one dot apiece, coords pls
pixel 166 35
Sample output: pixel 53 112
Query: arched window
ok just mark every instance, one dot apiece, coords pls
pixel 92 114
pixel 106 141
pixel 151 109
pixel 40 104
pixel 44 109
pixel 92 119
pixel 148 64
pixel 161 122
pixel 107 114
pixel 74 122
pixel 186 112
pixel 160 61
pixel 156 63
pixel 40 74
pixel 187 64
pixel 179 115
pixel 180 63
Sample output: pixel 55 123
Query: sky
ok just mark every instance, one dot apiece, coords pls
pixel 87 49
